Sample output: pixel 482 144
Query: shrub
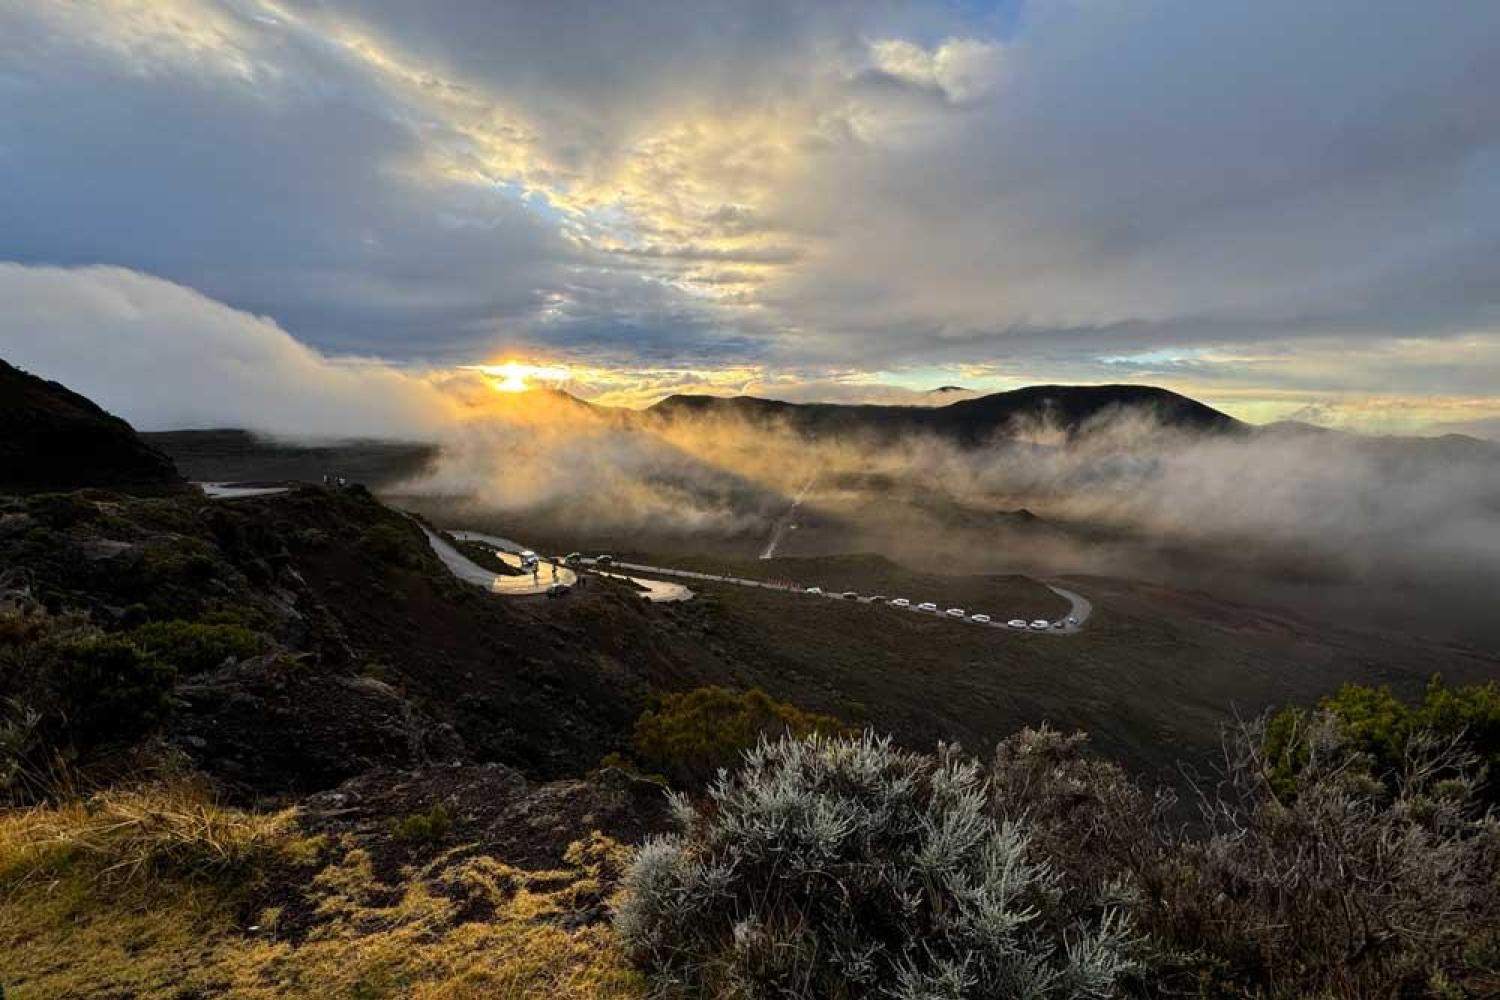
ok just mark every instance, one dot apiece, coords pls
pixel 107 689
pixel 1104 833
pixel 688 737
pixel 839 866
pixel 195 648
pixel 61 511
pixel 389 544
pixel 1350 888
pixel 422 828
pixel 1379 725
pixel 65 688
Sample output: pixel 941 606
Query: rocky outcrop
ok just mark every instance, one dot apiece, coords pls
pixel 494 810
pixel 277 724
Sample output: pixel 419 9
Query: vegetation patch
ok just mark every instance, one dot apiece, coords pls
pixel 196 647
pixel 688 737
pixel 1381 727
pixel 845 867
pixel 461 926
pixel 422 828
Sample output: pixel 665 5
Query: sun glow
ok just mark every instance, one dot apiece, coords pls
pixel 514 376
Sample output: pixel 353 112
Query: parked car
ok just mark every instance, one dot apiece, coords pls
pixel 1059 625
pixel 813 590
pixel 1017 623
pixel 529 559
pixel 604 560
pixel 1072 620
pixel 572 558
pixel 901 602
pixel 954 612
pixel 926 606
pixel 558 590
pixel 877 599
pixel 1041 623
pixel 849 595
pixel 981 619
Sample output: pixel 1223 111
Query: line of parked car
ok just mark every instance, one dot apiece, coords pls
pixel 928 607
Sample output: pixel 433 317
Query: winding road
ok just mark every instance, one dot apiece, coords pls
pixel 1080 608
pixel 658 591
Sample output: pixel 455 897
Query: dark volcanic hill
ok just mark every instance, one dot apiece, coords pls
pixel 1068 408
pixel 55 439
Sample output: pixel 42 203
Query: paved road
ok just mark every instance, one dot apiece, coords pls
pixel 229 491
pixel 462 567
pixel 1079 606
pixel 655 591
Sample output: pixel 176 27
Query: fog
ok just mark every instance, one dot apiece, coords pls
pixel 1284 505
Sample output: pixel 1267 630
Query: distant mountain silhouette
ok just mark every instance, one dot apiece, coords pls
pixel 1067 408
pixel 51 438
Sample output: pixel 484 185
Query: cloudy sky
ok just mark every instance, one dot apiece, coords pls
pixel 1284 208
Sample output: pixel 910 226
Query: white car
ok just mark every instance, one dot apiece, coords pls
pixel 813 590
pixel 529 559
pixel 901 602
pixel 926 606
pixel 1016 623
pixel 981 619
pixel 954 612
pixel 1041 623
pixel 1072 620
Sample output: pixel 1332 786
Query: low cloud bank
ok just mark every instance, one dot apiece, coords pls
pixel 167 357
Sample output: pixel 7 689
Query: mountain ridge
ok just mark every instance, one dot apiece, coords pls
pixel 1068 408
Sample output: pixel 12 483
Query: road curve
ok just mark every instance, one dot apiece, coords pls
pixel 652 590
pixel 1081 608
pixel 514 586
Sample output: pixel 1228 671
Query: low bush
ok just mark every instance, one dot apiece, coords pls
pixel 388 543
pixel 195 647
pixel 1351 887
pixel 843 867
pixel 107 690
pixel 1380 726
pixel 67 688
pixel 688 737
pixel 422 828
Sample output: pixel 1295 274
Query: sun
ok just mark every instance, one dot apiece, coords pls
pixel 515 376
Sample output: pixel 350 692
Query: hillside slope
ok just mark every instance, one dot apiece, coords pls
pixel 56 439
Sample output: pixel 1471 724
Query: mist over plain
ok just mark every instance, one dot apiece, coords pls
pixel 1283 511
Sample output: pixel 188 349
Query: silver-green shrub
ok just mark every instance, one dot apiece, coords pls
pixel 844 867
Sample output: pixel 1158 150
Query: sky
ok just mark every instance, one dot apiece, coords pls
pixel 326 213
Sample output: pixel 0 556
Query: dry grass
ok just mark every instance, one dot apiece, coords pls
pixel 129 835
pixel 147 893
